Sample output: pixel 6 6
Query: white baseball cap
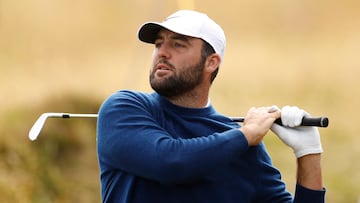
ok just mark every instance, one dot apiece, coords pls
pixel 189 23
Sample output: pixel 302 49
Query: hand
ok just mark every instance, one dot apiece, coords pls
pixel 258 122
pixel 303 140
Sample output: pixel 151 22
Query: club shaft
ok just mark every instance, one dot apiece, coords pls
pixel 74 115
pixel 306 121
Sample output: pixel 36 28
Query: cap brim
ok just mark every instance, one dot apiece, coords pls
pixel 148 32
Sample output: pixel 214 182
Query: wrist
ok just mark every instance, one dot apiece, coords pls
pixel 247 134
pixel 309 171
pixel 252 134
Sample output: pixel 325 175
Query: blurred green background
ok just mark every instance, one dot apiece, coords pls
pixel 68 56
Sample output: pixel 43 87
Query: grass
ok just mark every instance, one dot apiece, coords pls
pixel 59 167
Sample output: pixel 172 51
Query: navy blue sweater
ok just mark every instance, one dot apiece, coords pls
pixel 150 150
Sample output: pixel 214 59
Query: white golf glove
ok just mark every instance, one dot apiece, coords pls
pixel 303 140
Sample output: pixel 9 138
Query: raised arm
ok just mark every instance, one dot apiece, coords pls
pixel 306 144
pixel 131 138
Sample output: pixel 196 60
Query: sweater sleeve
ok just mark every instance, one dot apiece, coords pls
pixel 130 139
pixel 304 195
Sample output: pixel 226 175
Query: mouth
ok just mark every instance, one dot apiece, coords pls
pixel 162 68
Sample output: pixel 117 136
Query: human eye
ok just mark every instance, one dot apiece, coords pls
pixel 179 44
pixel 158 43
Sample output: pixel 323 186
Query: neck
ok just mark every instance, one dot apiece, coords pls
pixel 193 99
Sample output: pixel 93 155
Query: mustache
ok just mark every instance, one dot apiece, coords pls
pixel 166 62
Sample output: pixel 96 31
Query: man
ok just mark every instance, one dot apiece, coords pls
pixel 172 146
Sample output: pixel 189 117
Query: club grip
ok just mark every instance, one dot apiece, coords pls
pixel 306 121
pixel 311 121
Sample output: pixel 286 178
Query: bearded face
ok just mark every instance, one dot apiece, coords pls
pixel 180 81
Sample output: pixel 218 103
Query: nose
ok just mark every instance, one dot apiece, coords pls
pixel 163 50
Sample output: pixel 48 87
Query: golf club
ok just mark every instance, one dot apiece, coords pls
pixel 39 124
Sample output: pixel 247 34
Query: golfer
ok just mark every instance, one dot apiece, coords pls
pixel 173 146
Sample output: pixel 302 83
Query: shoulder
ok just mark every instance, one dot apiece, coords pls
pixel 127 96
pixel 130 100
pixel 125 106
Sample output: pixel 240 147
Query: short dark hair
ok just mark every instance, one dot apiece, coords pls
pixel 206 51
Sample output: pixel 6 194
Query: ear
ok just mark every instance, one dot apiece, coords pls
pixel 212 62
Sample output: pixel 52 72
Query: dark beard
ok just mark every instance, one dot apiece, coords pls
pixel 179 84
